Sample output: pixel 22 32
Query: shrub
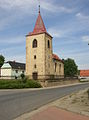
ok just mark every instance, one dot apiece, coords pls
pixel 18 84
pixel 88 93
pixel 25 79
pixel 22 76
pixel 33 84
pixel 11 84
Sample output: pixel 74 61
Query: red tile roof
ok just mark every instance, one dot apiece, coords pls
pixel 84 73
pixel 39 27
pixel 56 57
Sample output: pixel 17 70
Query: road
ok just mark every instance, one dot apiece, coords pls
pixel 14 103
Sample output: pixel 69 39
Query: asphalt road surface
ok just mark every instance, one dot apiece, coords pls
pixel 14 103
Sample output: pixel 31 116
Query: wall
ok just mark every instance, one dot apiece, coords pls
pixel 59 82
pixel 6 71
pixel 44 62
pixel 48 56
pixel 59 68
pixel 43 54
pixel 13 72
pixel 39 52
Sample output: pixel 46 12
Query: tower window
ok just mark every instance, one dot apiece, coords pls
pixel 55 66
pixel 35 66
pixel 34 56
pixel 34 43
pixel 48 44
pixel 59 67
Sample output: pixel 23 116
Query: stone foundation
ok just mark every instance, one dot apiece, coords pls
pixel 50 83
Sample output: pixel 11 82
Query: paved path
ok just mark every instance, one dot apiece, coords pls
pixel 54 113
pixel 15 103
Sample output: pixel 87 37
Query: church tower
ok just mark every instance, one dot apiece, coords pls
pixel 39 64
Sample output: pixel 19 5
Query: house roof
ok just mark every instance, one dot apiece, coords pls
pixel 16 65
pixel 56 58
pixel 84 73
pixel 39 27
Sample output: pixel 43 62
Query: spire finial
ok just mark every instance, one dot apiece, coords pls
pixel 39 6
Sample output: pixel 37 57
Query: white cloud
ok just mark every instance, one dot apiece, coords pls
pixel 10 4
pixel 12 53
pixel 15 50
pixel 13 40
pixel 49 6
pixel 16 9
pixel 55 32
pixel 82 16
pixel 17 58
pixel 7 21
pixel 58 33
pixel 81 56
pixel 84 66
pixel 29 4
pixel 85 38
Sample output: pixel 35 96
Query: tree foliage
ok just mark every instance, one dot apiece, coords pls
pixel 70 67
pixel 2 59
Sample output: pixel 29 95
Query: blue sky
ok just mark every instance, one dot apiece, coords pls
pixel 66 20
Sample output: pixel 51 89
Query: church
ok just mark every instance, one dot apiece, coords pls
pixel 41 63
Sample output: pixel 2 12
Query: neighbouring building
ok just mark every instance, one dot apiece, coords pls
pixel 84 74
pixel 12 70
pixel 41 63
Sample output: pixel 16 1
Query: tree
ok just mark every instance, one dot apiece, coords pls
pixel 70 67
pixel 2 59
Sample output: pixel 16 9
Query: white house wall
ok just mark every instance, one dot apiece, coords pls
pixel 6 72
pixel 13 73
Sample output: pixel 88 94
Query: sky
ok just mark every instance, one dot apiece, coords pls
pixel 66 20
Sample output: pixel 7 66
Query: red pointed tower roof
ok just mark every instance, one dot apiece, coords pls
pixel 39 26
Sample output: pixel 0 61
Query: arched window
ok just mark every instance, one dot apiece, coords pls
pixel 48 44
pixel 34 43
pixel 35 66
pixel 34 56
pixel 59 67
pixel 55 66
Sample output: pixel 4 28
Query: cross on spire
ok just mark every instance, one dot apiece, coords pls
pixel 39 5
pixel 39 8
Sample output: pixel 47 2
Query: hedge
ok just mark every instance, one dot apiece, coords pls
pixel 18 84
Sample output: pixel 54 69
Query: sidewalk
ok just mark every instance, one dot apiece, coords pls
pixel 54 113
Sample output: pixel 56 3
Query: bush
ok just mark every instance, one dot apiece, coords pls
pixel 33 84
pixel 22 76
pixel 11 84
pixel 18 84
pixel 88 93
